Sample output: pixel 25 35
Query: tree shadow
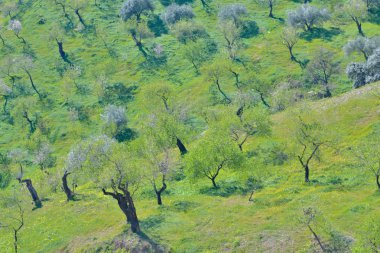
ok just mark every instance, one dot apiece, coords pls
pixel 183 206
pixel 320 33
pixel 152 221
pixel 279 19
pixel 225 189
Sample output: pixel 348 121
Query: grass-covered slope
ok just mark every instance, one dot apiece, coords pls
pixel 198 219
pixel 107 68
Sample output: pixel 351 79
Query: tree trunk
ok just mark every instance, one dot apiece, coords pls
pixel 21 38
pixel 271 10
pixel 135 226
pixel 32 191
pixel 251 196
pixel 31 123
pixel 214 183
pixel 181 147
pixel 240 111
pixel 2 40
pixel 139 44
pixel 69 193
pixel 292 57
pixel 316 237
pixel 80 17
pixel 263 100
pixel 15 241
pixel 222 92
pixel 307 171
pixel 62 53
pixel 5 104
pixel 378 181
pixel 159 200
pixel 126 204
pixel 359 25
pixel 159 192
pixel 32 83
pixel 327 92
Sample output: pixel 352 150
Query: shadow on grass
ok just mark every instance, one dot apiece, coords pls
pixel 225 189
pixel 320 33
pixel 183 206
pixel 152 221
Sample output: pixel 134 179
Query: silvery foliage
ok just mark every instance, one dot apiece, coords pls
pixel 364 73
pixel 307 16
pixel 99 148
pixel 362 45
pixel 135 8
pixel 232 12
pixel 15 26
pixel 4 89
pixel 114 115
pixel 373 67
pixel 18 155
pixel 76 157
pixel 43 153
pixel 174 13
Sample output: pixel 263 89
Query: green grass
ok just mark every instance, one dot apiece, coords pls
pixel 194 217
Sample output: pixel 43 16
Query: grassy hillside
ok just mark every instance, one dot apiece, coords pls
pixel 107 68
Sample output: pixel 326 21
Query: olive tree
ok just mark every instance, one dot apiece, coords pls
pixel 115 120
pixel 356 10
pixel 307 17
pixel 270 4
pixel 368 158
pixel 158 161
pixel 186 31
pixel 6 92
pixel 26 64
pixel 364 73
pixel 13 221
pixel 63 5
pixel 174 13
pixel 216 72
pixel 232 12
pixel 43 156
pixel 214 152
pixel 74 163
pixel 311 137
pixel 362 45
pixel 19 157
pixel 166 122
pixel 289 38
pixel 321 68
pixel 200 51
pixel 136 8
pixel 57 36
pixel 16 26
pixel 77 6
pixel 112 167
pixel 251 122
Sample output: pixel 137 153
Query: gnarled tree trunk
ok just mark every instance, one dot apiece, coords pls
pixel 125 202
pixel 181 146
pixel 69 193
pixel 32 191
pixel 160 191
